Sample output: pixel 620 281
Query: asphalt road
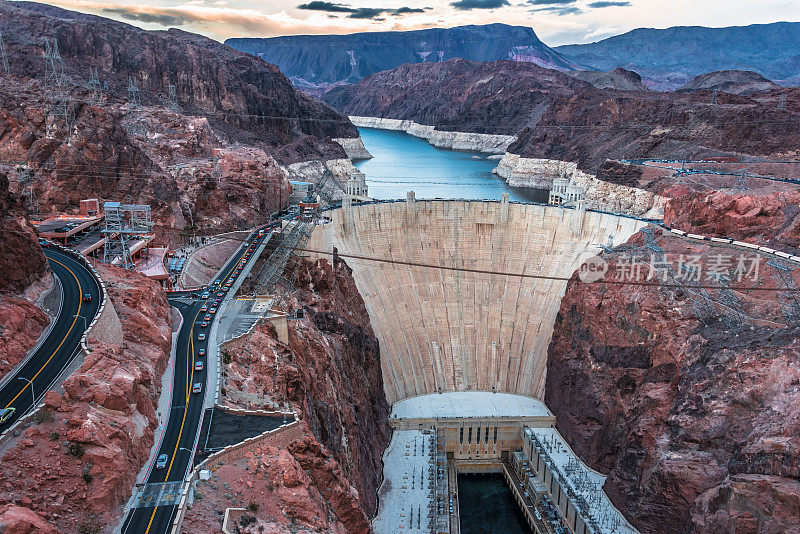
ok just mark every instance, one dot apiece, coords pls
pixel 40 371
pixel 179 440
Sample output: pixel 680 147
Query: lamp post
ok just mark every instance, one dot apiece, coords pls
pixel 33 395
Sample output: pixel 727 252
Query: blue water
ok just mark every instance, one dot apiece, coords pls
pixel 402 162
pixel 487 506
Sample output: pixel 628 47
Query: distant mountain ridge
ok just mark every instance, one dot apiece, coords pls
pixel 318 62
pixel 671 57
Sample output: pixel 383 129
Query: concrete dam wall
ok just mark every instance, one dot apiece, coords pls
pixel 450 330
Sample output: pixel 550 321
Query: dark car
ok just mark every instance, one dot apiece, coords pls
pixel 201 352
pixel 87 297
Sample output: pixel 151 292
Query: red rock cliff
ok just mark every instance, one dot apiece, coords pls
pixel 330 373
pixel 695 423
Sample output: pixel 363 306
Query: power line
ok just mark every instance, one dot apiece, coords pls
pixel 513 274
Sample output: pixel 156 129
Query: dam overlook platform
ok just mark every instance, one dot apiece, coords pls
pixel 444 330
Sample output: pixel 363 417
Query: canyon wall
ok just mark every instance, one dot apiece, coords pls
pixel 478 142
pixel 450 330
pixel 330 374
pixel 693 416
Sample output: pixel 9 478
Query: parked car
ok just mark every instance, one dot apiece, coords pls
pixel 161 461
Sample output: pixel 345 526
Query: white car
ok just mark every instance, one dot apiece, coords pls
pixel 201 337
pixel 197 387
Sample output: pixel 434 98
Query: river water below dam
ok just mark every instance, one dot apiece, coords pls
pixel 487 506
pixel 402 163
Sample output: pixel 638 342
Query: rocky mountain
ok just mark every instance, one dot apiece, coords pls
pixel 693 416
pixel 597 125
pixel 500 97
pixel 228 102
pixel 619 78
pixel 556 116
pixel 243 97
pixel 319 62
pixel 669 58
pixel 731 81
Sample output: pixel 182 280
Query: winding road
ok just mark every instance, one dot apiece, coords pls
pixel 28 384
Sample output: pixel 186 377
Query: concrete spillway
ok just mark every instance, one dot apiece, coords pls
pixel 450 330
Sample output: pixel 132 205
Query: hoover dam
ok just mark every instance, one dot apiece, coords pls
pixel 460 327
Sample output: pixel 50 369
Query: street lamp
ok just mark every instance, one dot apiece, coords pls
pixel 33 396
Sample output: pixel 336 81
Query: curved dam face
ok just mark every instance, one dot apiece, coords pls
pixel 451 330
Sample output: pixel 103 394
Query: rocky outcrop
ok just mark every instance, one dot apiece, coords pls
pixel 244 96
pixel 477 142
pixel 316 63
pixel 294 488
pixel 354 147
pixel 693 418
pixel 599 194
pixel 22 260
pixel 330 374
pixel 736 82
pixel 619 79
pixel 77 464
pixel 231 105
pixel 768 219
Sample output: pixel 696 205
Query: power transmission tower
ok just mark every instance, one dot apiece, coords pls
pixel 788 292
pixel 26 190
pixel 3 58
pixel 124 223
pixel 57 88
pixel 136 127
pixel 715 97
pixel 94 87
pixel 172 99
pixel 781 103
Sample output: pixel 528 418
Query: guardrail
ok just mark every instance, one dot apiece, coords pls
pixel 727 241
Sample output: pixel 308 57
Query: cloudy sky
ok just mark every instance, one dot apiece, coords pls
pixel 555 21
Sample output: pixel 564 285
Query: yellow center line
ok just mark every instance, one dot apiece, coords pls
pixel 186 403
pixel 74 320
pixel 189 354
